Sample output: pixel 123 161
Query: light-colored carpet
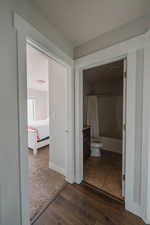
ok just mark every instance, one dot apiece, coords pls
pixel 44 183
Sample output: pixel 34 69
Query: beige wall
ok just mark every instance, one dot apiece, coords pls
pixel 110 116
pixel 9 140
pixel 110 106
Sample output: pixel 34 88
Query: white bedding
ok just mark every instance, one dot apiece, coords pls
pixel 42 127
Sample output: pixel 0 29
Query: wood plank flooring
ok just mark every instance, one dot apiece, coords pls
pixel 105 173
pixel 44 183
pixel 78 205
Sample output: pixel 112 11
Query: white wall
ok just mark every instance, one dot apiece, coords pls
pixel 115 36
pixel 41 104
pixel 37 69
pixel 137 117
pixel 9 152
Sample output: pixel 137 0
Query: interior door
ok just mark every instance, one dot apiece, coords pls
pixel 124 127
pixel 58 115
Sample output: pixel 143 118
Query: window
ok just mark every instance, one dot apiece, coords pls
pixel 31 109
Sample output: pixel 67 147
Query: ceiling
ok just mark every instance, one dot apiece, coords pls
pixel 83 20
pixel 37 69
pixel 105 73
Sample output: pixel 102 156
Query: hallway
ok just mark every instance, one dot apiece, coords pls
pixel 78 205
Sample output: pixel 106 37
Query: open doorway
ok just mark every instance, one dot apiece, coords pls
pixel 61 158
pixel 104 118
pixel 44 182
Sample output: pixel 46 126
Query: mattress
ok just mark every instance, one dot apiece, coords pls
pixel 42 128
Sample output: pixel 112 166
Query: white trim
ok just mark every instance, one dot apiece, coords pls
pixel 137 210
pixel 146 136
pixel 124 124
pixel 119 51
pixel 78 126
pixel 26 32
pixel 127 48
pixel 22 80
pixel 134 208
pixel 113 53
pixel 130 128
pixel 56 168
pixel 40 41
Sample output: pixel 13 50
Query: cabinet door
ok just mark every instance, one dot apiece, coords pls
pixel 86 143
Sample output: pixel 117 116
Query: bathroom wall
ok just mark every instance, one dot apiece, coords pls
pixel 87 88
pixel 110 106
pixel 110 109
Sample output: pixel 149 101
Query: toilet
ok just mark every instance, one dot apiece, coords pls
pixel 96 147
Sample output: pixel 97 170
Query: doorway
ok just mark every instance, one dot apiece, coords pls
pixel 44 180
pixel 26 33
pixel 104 119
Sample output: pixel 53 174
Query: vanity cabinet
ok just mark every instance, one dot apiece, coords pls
pixel 86 143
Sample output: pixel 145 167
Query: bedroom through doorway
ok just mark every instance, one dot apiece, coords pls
pixel 44 183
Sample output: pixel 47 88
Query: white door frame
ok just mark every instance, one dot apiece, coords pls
pixel 126 49
pixel 124 75
pixel 26 32
pixel 79 114
pixel 124 126
pixel 146 135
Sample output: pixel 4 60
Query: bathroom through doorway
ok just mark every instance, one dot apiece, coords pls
pixel 104 128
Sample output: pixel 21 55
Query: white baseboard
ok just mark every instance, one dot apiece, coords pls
pixel 78 180
pixel 133 208
pixel 137 210
pixel 70 180
pixel 146 220
pixel 56 168
pixel 53 166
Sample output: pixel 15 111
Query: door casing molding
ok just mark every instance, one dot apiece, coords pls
pixel 127 49
pixel 27 33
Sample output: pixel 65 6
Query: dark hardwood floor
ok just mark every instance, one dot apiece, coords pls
pixel 78 205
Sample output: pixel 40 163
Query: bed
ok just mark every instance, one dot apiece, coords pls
pixel 38 134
